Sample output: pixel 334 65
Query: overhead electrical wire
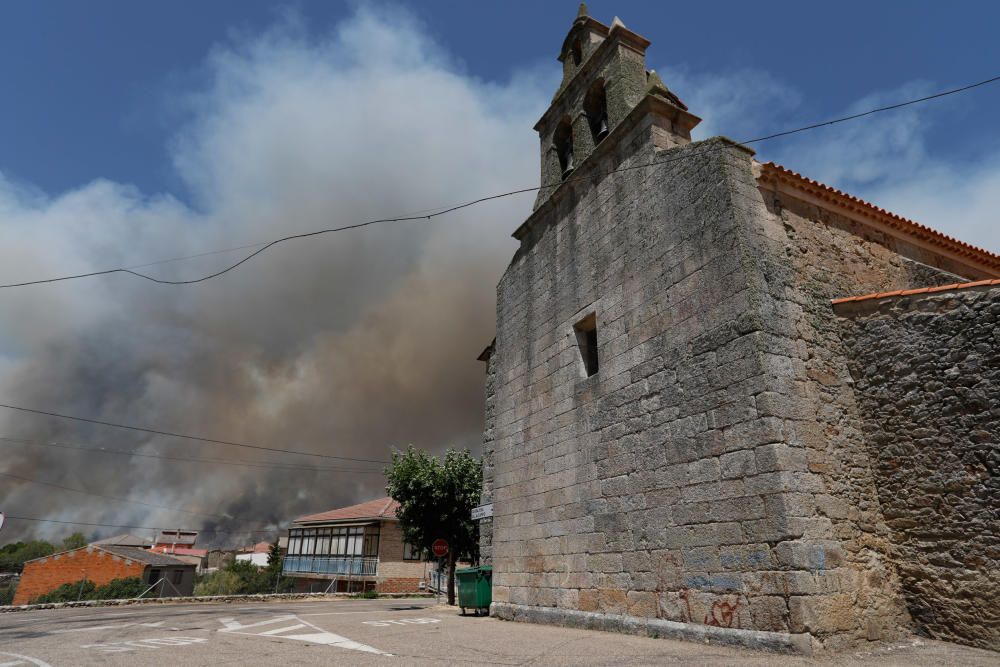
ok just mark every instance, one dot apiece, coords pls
pixel 183 459
pixel 451 209
pixel 189 437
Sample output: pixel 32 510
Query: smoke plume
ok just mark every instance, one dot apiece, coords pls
pixel 347 344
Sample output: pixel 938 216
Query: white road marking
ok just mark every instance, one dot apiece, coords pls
pixel 341 613
pixel 22 660
pixel 232 625
pixel 280 630
pixel 154 643
pixel 403 621
pixel 108 627
pixel 321 636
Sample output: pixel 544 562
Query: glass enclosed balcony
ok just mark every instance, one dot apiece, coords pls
pixel 358 566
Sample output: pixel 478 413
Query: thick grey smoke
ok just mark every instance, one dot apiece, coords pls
pixel 347 344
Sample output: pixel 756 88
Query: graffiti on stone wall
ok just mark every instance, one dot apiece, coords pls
pixel 722 612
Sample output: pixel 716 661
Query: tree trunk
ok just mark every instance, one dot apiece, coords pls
pixel 451 577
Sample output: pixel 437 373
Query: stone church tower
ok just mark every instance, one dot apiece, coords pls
pixel 677 432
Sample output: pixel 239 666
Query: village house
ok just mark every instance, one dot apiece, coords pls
pixel 102 564
pixel 257 554
pixel 353 548
pixel 727 402
pixel 180 545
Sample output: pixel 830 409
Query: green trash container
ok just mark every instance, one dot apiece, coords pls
pixel 475 588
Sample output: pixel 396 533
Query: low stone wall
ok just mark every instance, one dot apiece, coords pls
pixel 927 373
pixel 205 599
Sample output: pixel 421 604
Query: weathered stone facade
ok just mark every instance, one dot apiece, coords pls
pixel 927 368
pixel 672 429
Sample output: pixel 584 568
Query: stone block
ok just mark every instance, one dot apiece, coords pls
pixel 642 604
pixel 809 555
pixel 738 464
pixel 612 601
pixel 705 470
pixel 769 613
pixel 821 614
pixel 780 457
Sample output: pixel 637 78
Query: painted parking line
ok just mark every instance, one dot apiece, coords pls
pixel 290 623
pixel 19 659
pixel 402 621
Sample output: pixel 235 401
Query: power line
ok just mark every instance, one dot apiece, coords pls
pixel 189 437
pixel 157 528
pixel 262 464
pixel 101 495
pixel 457 207
pixel 890 107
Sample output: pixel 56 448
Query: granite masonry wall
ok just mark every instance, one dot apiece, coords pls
pixel 489 431
pixel 709 474
pixel 677 483
pixel 807 254
pixel 927 373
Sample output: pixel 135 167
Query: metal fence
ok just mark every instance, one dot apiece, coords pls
pixel 347 565
pixel 438 581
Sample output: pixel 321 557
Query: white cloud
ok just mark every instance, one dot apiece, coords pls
pixel 885 158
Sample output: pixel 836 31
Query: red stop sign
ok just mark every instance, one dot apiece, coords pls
pixel 440 547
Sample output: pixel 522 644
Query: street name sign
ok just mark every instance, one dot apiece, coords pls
pixel 482 512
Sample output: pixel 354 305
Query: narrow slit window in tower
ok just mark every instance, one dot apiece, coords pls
pixel 586 339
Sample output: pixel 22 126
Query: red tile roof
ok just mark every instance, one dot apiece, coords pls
pixel 983 258
pixel 383 508
pixel 921 290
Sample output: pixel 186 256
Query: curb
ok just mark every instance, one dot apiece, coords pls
pixel 775 642
pixel 204 599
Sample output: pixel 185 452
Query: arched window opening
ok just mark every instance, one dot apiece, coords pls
pixel 595 105
pixel 563 140
pixel 577 52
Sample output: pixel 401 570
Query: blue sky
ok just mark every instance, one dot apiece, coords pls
pixel 97 89
pixel 135 132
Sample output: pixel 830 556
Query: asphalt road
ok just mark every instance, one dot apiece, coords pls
pixel 370 632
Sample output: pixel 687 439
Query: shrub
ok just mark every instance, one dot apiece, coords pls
pixel 70 592
pixel 119 589
pixel 7 594
pixel 116 589
pixel 220 582
pixel 369 594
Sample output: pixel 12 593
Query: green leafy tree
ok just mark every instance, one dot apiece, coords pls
pixel 436 498
pixel 277 581
pixel 14 555
pixel 74 541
